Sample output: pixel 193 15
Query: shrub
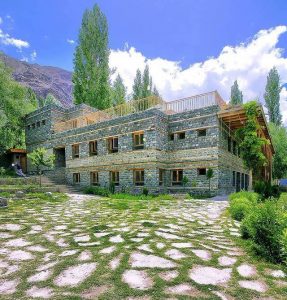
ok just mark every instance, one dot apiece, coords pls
pixel 96 190
pixel 251 196
pixel 2 171
pixel 266 190
pixel 145 191
pixel 265 225
pixel 112 187
pixel 185 180
pixel 240 207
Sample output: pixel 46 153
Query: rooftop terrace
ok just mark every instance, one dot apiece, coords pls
pixel 134 106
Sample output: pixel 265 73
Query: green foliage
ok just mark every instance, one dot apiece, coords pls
pixel 40 158
pixel 236 96
pixel 251 196
pixel 279 141
pixel 143 86
pixel 272 96
pixel 112 187
pixel 2 171
pixel 265 226
pixel 118 92
pixel 266 190
pixel 250 143
pixel 91 61
pixel 50 99
pixel 96 190
pixel 15 102
pixel 185 180
pixel 239 208
pixel 209 176
pixel 145 191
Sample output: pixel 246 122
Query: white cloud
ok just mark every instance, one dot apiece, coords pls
pixel 24 58
pixel 7 40
pixel 249 63
pixel 33 55
pixel 70 41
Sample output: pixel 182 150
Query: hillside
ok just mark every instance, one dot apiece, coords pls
pixel 42 79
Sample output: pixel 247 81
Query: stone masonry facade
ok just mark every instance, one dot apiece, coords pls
pixel 164 153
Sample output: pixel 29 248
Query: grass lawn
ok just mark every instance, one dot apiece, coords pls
pixel 85 247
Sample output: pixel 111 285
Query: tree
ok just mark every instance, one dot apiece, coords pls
pixel 137 86
pixel 250 143
pixel 236 96
pixel 146 83
pixel 50 99
pixel 91 61
pixel 39 158
pixel 209 176
pixel 272 96
pixel 118 91
pixel 279 140
pixel 15 102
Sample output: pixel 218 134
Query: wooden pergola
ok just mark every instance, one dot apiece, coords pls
pixel 234 117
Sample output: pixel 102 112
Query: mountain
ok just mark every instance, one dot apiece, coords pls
pixel 42 79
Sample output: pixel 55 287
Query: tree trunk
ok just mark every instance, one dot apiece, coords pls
pixel 250 181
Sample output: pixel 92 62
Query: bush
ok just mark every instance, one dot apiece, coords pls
pixel 266 190
pixel 112 188
pixel 2 171
pixel 145 191
pixel 96 190
pixel 240 207
pixel 251 196
pixel 265 225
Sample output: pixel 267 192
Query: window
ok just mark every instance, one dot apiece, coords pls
pixel 246 181
pixel 171 136
pixel 114 177
pixel 43 122
pixel 176 177
pixel 93 148
pixel 242 181
pixel 38 124
pixel 74 123
pixel 76 178
pixel 94 176
pixel 201 132
pixel 113 144
pixel 76 151
pixel 138 177
pixel 229 144
pixel 234 148
pixel 33 125
pixel 161 176
pixel 233 178
pixel 201 171
pixel 138 140
pixel 29 127
pixel 181 135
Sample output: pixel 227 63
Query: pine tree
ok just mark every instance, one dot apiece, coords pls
pixel 137 86
pixel 146 83
pixel 272 96
pixel 236 96
pixel 91 61
pixel 118 91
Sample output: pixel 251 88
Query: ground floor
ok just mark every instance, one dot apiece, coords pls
pixel 89 248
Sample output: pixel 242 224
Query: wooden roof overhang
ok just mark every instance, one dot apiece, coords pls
pixel 235 117
pixel 16 150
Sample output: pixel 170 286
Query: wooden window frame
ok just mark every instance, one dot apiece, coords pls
pixel 201 132
pixel 93 148
pixel 111 146
pixel 201 171
pixel 76 178
pixel 179 177
pixel 139 182
pixel 74 153
pixel 115 177
pixel 161 175
pixel 94 178
pixel 181 135
pixel 137 145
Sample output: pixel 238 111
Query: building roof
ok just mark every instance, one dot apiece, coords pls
pixel 16 150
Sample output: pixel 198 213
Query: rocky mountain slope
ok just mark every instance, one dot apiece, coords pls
pixel 42 79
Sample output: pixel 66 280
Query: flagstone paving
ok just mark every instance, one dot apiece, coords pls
pixel 92 248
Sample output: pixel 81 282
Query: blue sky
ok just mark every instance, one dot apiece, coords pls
pixel 191 46
pixel 184 30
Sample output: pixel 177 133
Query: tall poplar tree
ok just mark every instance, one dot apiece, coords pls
pixel 146 83
pixel 118 91
pixel 272 96
pixel 236 96
pixel 91 61
pixel 137 86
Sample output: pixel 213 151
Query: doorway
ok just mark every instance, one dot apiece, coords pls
pixel 60 157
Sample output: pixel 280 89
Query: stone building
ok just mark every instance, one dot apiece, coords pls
pixel 148 143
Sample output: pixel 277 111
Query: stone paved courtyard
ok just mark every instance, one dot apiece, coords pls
pixel 92 248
